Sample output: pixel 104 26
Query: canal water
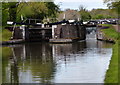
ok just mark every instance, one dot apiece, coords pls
pixel 79 62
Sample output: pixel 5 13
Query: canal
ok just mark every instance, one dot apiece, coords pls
pixel 79 62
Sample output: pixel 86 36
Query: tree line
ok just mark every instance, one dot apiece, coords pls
pixel 16 11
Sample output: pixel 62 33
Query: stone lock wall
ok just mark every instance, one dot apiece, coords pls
pixel 17 34
pixel 101 35
pixel 70 32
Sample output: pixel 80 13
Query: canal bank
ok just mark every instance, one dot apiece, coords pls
pixel 114 35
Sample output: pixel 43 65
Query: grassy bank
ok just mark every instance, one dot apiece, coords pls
pixel 5 35
pixel 111 32
pixel 112 72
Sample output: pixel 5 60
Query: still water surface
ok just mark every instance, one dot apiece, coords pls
pixel 80 62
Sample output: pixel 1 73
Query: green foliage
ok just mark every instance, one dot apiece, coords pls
pixel 8 12
pixel 112 72
pixel 5 35
pixel 36 10
pixel 52 8
pixel 99 16
pixel 103 14
pixel 12 11
pixel 113 4
pixel 24 10
pixel 85 15
pixel 31 10
pixel 39 9
pixel 4 17
pixel 5 14
pixel 111 32
pixel 116 6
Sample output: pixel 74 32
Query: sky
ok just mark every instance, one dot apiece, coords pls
pixel 74 4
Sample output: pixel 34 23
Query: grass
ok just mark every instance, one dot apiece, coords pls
pixel 0 71
pixel 111 32
pixel 5 35
pixel 112 72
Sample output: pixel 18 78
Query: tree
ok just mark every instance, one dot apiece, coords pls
pixel 103 13
pixel 37 10
pixel 4 13
pixel 99 16
pixel 12 10
pixel 53 8
pixel 113 4
pixel 8 12
pixel 108 1
pixel 82 8
pixel 52 13
pixel 85 15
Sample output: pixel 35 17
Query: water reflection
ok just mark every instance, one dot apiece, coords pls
pixel 81 62
pixel 91 33
pixel 65 52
